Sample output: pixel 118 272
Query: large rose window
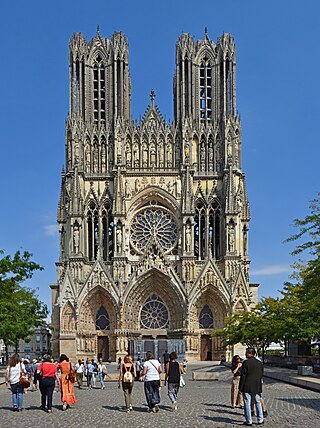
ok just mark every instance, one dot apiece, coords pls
pixel 153 222
pixel 154 313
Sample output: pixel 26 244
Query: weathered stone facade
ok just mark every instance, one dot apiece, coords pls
pixel 153 215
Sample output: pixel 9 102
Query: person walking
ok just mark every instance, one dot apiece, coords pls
pixel 151 375
pixel 102 371
pixel 79 367
pixel 34 368
pixel 251 386
pixel 67 380
pixel 89 371
pixel 126 377
pixel 173 372
pixel 138 368
pixel 236 395
pixel 94 373
pixel 48 374
pixel 13 373
pixel 166 358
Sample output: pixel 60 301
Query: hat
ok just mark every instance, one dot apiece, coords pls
pixel 34 361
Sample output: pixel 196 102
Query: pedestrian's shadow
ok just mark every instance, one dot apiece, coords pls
pixel 123 409
pixel 222 420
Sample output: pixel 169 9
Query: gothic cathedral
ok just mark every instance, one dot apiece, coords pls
pixel 153 215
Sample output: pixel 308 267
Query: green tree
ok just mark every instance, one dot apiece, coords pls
pixel 20 309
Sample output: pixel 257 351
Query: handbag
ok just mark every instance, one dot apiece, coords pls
pixel 182 382
pixel 71 376
pixel 24 382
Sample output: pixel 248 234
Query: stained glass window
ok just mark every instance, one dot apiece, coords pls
pixel 154 313
pixel 206 318
pixel 102 319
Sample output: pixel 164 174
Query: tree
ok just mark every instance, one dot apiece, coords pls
pixel 20 310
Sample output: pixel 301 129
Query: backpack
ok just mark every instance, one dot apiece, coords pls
pixel 127 377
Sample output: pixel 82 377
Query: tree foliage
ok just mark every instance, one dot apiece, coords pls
pixel 295 316
pixel 20 309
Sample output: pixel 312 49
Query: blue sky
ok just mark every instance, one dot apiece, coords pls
pixel 278 89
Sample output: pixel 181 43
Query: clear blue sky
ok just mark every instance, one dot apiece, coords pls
pixel 278 93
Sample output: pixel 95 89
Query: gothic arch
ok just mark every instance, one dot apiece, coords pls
pixel 150 283
pixel 68 319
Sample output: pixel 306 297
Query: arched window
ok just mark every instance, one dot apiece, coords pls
pixel 206 90
pixel 99 88
pixel 93 231
pixel 206 317
pixel 107 231
pixel 228 85
pixel 199 231
pixel 154 313
pixel 102 319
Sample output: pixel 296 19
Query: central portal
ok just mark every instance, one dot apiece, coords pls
pixel 103 348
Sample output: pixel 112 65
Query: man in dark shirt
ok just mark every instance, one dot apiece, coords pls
pixel 251 385
pixel 166 359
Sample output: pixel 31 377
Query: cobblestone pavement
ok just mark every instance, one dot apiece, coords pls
pixel 201 404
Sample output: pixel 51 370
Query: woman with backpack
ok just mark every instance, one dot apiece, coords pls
pixel 67 380
pixel 151 375
pixel 126 376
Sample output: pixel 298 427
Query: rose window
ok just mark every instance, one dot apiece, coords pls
pixel 154 313
pixel 156 222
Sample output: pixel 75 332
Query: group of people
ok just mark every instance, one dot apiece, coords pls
pixel 246 386
pixel 150 375
pixel 92 370
pixel 18 376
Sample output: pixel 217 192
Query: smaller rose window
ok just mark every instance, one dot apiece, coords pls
pixel 154 313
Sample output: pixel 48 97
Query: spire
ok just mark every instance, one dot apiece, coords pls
pixel 152 96
pixel 98 30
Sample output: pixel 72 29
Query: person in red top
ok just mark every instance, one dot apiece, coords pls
pixel 48 381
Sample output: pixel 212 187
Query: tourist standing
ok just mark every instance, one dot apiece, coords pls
pixel 126 377
pixel 48 372
pixel 67 380
pixel 236 395
pixel 79 367
pixel 89 371
pixel 173 372
pixel 94 373
pixel 251 386
pixel 151 374
pixel 102 371
pixel 13 373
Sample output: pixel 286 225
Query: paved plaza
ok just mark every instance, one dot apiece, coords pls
pixel 201 404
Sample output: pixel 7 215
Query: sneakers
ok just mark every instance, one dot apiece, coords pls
pixel 64 406
pixel 155 409
pixel 130 407
pixel 174 406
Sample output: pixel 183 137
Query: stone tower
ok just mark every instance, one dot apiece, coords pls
pixel 153 215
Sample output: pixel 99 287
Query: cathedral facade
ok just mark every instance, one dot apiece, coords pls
pixel 153 215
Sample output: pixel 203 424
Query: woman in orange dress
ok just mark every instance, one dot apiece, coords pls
pixel 67 380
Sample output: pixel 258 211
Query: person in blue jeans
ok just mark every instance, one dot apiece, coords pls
pixel 14 370
pixel 251 386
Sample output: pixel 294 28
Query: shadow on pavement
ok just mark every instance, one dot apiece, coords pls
pixel 311 403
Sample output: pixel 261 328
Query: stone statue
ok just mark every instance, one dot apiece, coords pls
pixel 88 160
pixel 231 239
pixel 76 239
pixel 188 238
pixel 119 240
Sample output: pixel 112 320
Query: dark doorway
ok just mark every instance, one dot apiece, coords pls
pixel 206 348
pixel 103 347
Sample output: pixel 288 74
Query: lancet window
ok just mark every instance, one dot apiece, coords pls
pixel 102 319
pixel 99 84
pixel 107 231
pixel 228 85
pixel 206 317
pixel 207 233
pixel 93 231
pixel 206 91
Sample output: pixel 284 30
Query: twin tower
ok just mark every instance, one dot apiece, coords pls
pixel 153 215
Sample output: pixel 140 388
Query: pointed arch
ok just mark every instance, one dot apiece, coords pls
pixel 200 229
pixel 206 317
pixel 102 319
